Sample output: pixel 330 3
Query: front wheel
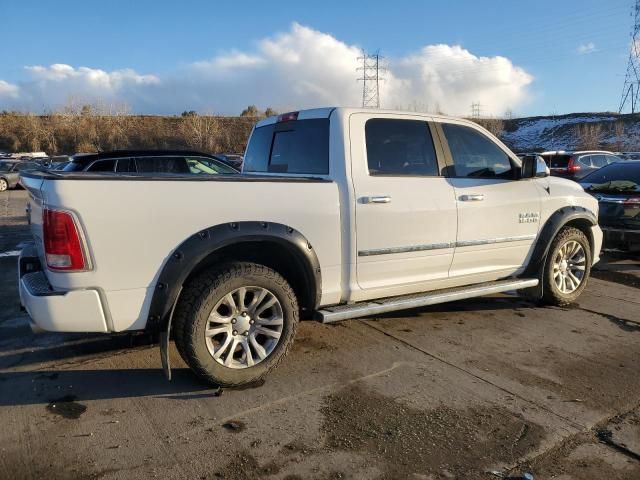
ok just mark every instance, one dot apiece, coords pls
pixel 235 323
pixel 567 267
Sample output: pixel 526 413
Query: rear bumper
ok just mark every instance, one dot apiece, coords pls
pixel 621 239
pixel 57 311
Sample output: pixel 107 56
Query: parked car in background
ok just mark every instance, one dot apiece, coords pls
pixel 629 155
pixel 149 161
pixel 10 172
pixel 59 165
pixel 576 165
pixel 617 189
pixel 232 159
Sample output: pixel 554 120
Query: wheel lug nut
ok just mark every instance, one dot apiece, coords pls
pixel 251 322
pixel 244 314
pixel 233 320
pixel 246 334
pixel 235 332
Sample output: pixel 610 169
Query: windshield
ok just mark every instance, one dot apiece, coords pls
pixel 5 167
pixel 617 176
pixel 208 165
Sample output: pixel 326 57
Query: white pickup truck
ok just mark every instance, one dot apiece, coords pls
pixel 339 213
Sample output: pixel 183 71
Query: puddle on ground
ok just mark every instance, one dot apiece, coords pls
pixel 67 407
pixel 244 466
pixel 408 441
pixel 234 426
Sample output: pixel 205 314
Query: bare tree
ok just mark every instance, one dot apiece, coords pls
pixel 589 136
pixel 200 131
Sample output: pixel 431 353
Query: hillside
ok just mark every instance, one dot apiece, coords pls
pixel 573 131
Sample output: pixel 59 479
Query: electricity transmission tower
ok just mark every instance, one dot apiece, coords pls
pixel 371 71
pixel 476 107
pixel 631 89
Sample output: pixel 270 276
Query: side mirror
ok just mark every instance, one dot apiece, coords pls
pixel 542 170
pixel 533 167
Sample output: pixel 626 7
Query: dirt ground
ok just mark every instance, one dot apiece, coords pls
pixel 480 389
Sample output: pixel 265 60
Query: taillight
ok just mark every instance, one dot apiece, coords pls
pixel 572 166
pixel 62 243
pixel 287 117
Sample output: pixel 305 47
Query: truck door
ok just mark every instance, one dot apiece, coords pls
pixel 405 209
pixel 498 215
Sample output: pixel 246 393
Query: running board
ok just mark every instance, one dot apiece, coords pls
pixel 391 304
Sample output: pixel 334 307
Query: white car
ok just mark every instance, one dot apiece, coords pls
pixel 339 213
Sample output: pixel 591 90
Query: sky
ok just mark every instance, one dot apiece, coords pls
pixel 514 57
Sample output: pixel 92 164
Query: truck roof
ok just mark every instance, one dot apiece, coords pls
pixel 90 157
pixel 326 112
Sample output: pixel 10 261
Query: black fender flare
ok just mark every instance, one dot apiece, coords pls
pixel 552 226
pixel 190 253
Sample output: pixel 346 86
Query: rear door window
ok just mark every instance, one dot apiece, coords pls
pixel 102 166
pixel 475 155
pixel 208 166
pixel 126 165
pixel 162 165
pixel 598 161
pixel 585 161
pixel 400 148
pixel 298 146
pixel 25 166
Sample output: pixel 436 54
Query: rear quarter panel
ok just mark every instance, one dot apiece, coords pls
pixel 133 226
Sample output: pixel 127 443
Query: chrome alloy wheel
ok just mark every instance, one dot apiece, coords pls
pixel 244 327
pixel 569 266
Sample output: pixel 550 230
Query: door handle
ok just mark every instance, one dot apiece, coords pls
pixel 472 197
pixel 377 199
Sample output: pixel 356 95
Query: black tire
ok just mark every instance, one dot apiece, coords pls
pixel 196 303
pixel 551 293
pixel 4 185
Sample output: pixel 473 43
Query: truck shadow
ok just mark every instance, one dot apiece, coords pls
pixel 46 386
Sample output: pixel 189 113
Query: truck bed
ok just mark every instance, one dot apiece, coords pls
pixel 132 223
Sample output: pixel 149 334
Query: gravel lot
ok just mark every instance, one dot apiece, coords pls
pixel 452 391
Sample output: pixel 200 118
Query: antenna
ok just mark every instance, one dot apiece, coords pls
pixel 631 88
pixel 371 71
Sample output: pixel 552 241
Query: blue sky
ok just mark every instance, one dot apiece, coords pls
pixel 573 53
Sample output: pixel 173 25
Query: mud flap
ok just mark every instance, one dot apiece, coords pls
pixel 164 342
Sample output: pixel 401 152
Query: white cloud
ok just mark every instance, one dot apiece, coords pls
pixel 7 90
pixel 451 78
pixel 586 48
pixel 299 68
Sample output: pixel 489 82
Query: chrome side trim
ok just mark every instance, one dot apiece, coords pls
pixel 412 248
pixel 377 307
pixel 471 243
pixel 439 246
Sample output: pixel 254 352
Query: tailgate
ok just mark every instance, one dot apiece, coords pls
pixel 33 185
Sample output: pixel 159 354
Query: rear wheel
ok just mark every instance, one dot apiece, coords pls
pixel 3 185
pixel 235 323
pixel 567 267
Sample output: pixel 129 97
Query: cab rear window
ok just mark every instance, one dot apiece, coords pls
pixel 298 146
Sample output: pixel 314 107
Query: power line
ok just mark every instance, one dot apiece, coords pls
pixel 371 70
pixel 631 88
pixel 475 109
